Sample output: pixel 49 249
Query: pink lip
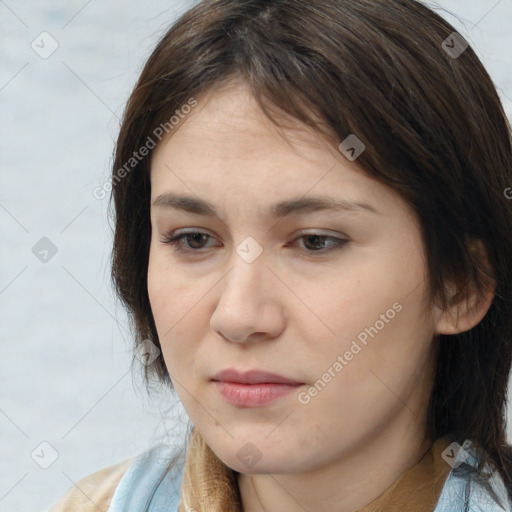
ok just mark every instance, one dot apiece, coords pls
pixel 253 388
pixel 252 377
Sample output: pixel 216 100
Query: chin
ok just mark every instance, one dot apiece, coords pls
pixel 252 448
pixel 263 466
pixel 259 456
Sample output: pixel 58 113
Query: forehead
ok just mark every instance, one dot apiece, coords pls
pixel 227 147
pixel 229 123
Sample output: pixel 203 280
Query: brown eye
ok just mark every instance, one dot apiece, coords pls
pixel 194 241
pixel 316 243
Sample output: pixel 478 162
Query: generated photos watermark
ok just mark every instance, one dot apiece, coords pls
pixel 304 397
pixel 143 151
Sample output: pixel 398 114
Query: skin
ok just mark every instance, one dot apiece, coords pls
pixel 292 312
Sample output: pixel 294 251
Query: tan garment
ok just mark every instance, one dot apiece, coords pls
pixel 94 492
pixel 419 488
pixel 218 488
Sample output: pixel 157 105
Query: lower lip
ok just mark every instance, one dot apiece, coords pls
pixel 253 395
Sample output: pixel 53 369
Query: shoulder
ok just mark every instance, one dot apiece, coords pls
pixel 94 492
pixel 150 481
pixel 461 484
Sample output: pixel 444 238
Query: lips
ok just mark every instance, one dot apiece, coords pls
pixel 252 377
pixel 253 388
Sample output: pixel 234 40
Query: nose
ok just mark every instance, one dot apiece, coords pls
pixel 249 307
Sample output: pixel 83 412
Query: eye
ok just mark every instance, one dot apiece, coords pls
pixel 314 242
pixel 194 241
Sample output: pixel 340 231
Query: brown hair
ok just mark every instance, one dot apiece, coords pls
pixel 434 130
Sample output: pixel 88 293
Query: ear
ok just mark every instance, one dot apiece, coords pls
pixel 467 307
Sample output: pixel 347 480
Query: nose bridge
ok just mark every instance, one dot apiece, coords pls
pixel 249 272
pixel 248 275
pixel 247 302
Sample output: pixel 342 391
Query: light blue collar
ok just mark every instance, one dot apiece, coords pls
pixel 148 485
pixel 456 487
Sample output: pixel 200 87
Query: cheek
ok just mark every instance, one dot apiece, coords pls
pixel 356 305
pixel 170 295
pixel 178 307
pixel 373 380
pixel 159 291
pixel 167 296
pixel 374 317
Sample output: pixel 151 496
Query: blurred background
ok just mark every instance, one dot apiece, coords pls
pixel 69 403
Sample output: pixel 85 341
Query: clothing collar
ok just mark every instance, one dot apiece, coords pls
pixel 420 487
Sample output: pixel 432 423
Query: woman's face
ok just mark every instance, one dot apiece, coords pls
pixel 332 299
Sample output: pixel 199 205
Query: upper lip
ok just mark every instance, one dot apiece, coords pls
pixel 252 377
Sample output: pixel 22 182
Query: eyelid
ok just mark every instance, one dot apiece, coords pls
pixel 321 232
pixel 302 232
pixel 178 234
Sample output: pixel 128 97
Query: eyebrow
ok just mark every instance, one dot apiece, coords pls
pixel 286 208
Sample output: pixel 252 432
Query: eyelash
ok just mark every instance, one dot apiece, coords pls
pixel 174 242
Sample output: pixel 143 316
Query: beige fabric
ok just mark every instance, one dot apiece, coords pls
pixel 208 484
pixel 419 488
pixel 94 492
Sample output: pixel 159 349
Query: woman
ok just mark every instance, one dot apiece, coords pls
pixel 314 243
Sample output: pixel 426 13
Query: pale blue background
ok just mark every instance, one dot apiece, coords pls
pixel 65 358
